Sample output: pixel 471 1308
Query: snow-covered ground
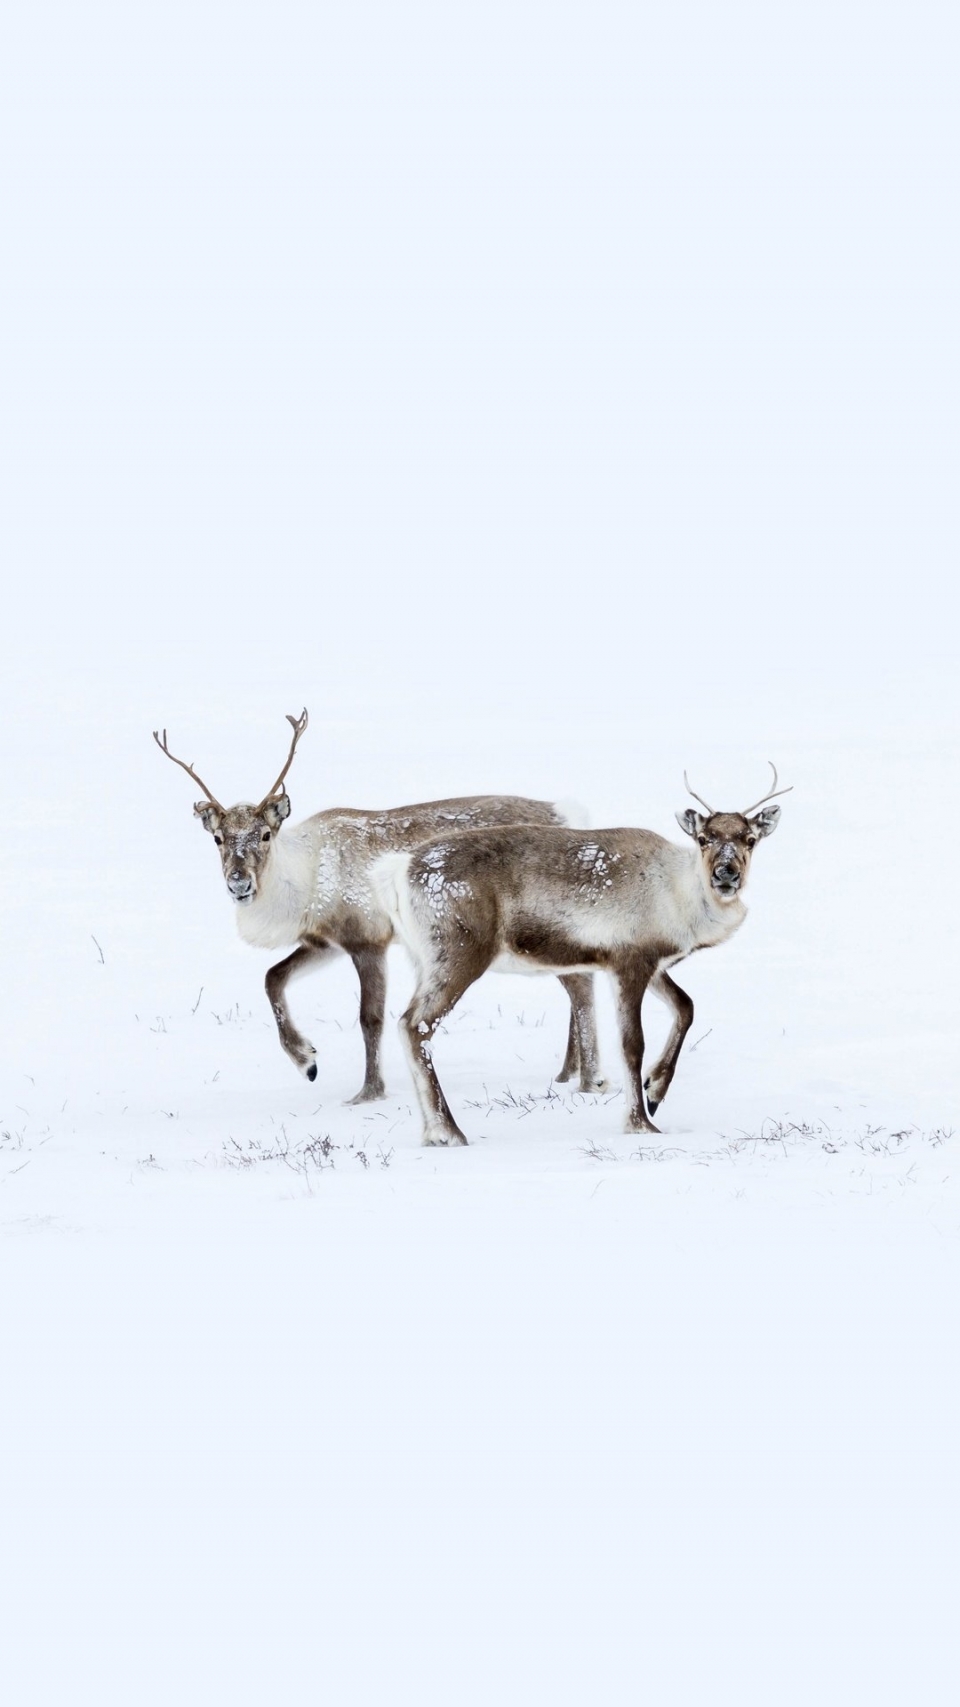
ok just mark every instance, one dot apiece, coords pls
pixel 298 1408
pixel 551 399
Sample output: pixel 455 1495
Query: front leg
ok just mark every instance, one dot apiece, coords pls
pixel 371 971
pixel 300 1050
pixel 631 979
pixel 658 1081
pixel 439 988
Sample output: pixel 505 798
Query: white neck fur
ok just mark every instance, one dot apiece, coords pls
pixel 276 917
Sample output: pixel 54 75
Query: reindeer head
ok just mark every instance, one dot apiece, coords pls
pixel 243 833
pixel 727 839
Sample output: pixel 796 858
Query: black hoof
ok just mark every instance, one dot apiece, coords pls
pixel 652 1107
pixel 312 1071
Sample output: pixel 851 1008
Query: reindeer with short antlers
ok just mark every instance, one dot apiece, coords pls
pixel 546 899
pixel 310 887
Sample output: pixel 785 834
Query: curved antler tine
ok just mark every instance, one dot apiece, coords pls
pixel 699 797
pixel 188 768
pixel 775 792
pixel 298 725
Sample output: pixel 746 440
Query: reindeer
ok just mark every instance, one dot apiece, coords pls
pixel 312 888
pixel 541 898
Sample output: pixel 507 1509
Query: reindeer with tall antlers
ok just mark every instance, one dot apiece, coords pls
pixel 542 898
pixel 310 887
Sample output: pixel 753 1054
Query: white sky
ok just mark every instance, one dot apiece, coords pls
pixel 364 354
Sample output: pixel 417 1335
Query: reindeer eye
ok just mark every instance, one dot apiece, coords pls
pixel 266 836
pixel 702 840
pixel 751 841
pixel 219 841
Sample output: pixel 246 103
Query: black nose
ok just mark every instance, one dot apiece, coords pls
pixel 725 873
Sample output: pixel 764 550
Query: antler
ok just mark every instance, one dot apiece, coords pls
pixel 298 725
pixel 773 793
pixel 188 768
pixel 696 796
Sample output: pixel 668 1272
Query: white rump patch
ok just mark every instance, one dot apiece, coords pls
pixel 389 880
pixel 571 813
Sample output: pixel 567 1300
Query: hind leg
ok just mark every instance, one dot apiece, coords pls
pixel 571 1060
pixel 583 1054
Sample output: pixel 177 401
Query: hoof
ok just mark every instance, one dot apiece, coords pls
pixel 640 1124
pixel 443 1140
pixel 653 1103
pixel 311 1071
pixel 592 1087
pixel 367 1093
pixel 562 1077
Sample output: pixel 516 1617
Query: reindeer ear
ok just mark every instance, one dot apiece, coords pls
pixel 208 815
pixel 276 810
pixel 766 821
pixel 689 821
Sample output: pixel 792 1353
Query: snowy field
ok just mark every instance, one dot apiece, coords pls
pixel 302 1406
pixel 550 401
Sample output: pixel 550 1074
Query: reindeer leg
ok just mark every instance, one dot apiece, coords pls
pixel 571 1060
pixel 371 971
pixel 582 1051
pixel 437 992
pixel 631 981
pixel 658 1081
pixel 300 1050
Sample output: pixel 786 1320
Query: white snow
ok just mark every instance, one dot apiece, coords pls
pixel 295 1404
pixel 551 400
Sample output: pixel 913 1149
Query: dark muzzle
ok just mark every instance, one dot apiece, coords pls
pixel 726 875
